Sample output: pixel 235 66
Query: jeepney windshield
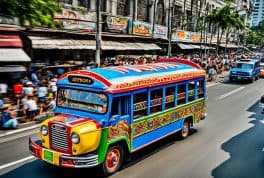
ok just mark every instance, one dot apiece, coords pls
pixel 82 100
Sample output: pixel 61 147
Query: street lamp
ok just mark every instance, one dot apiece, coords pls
pixel 98 33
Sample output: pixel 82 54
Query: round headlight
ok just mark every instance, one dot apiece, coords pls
pixel 75 138
pixel 44 130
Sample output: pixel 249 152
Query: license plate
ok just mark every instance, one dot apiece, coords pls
pixel 49 156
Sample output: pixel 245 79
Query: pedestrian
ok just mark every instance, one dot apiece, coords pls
pixel 7 117
pixel 31 108
pixel 18 88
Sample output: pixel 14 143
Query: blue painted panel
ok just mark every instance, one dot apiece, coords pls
pixel 149 137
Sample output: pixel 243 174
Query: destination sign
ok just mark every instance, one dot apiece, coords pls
pixel 80 79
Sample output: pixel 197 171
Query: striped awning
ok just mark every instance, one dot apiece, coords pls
pixel 13 55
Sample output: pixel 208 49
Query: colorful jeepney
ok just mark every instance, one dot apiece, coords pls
pixel 104 114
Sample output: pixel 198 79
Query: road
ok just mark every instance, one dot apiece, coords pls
pixel 228 143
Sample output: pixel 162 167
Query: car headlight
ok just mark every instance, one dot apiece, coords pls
pixel 44 130
pixel 75 138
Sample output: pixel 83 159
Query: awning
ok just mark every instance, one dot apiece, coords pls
pixel 12 68
pixel 228 45
pixel 55 43
pixel 115 45
pixel 188 46
pixel 13 55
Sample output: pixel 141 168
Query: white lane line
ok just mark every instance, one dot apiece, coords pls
pixel 16 162
pixel 19 130
pixel 230 93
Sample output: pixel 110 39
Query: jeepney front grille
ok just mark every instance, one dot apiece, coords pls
pixel 58 137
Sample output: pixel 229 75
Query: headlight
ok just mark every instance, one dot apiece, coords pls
pixel 44 130
pixel 75 138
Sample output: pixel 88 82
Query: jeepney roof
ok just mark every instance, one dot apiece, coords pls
pixel 126 78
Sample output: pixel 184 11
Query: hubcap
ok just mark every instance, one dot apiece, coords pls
pixel 113 159
pixel 185 129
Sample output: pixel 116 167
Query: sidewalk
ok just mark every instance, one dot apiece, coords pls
pixel 34 124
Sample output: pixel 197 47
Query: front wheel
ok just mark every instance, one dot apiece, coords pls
pixel 114 160
pixel 185 131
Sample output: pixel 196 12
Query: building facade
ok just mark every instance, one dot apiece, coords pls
pixel 258 12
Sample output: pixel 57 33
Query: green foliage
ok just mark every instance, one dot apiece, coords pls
pixel 32 12
pixel 256 35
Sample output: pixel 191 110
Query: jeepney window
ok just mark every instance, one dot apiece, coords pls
pixel 181 94
pixel 170 97
pixel 140 105
pixel 200 88
pixel 82 100
pixel 156 101
pixel 114 110
pixel 120 105
pixel 191 93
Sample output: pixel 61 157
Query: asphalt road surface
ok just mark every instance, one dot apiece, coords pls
pixel 229 143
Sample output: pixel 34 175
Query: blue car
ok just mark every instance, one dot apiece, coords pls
pixel 246 69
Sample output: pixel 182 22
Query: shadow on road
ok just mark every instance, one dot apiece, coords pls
pixel 246 150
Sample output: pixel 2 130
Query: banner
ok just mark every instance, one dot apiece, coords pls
pixel 74 20
pixel 116 24
pixel 184 36
pixel 141 28
pixel 160 31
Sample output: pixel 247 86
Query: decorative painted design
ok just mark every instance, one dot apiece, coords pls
pixel 151 81
pixel 116 24
pixel 119 130
pixel 140 106
pixel 169 98
pixel 165 118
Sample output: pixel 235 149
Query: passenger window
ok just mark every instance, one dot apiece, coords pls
pixel 191 94
pixel 200 88
pixel 181 94
pixel 140 104
pixel 170 97
pixel 114 110
pixel 156 101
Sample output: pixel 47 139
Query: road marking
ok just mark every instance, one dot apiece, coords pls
pixel 211 84
pixel 16 136
pixel 16 162
pixel 19 130
pixel 230 93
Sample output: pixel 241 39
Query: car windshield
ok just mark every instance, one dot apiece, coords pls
pixel 244 66
pixel 82 100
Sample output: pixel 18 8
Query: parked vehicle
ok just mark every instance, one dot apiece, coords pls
pixel 261 74
pixel 245 69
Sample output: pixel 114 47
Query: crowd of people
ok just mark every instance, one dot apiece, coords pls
pixel 35 94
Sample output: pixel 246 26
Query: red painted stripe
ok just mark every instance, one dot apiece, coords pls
pixel 183 61
pixel 87 74
pixel 78 121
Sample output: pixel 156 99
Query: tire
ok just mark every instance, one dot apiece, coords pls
pixel 185 131
pixel 113 160
pixel 231 79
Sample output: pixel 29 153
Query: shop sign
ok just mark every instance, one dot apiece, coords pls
pixel 10 41
pixel 74 20
pixel 185 36
pixel 141 28
pixel 160 31
pixel 116 24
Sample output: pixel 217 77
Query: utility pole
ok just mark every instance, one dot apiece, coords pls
pixel 169 30
pixel 98 33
